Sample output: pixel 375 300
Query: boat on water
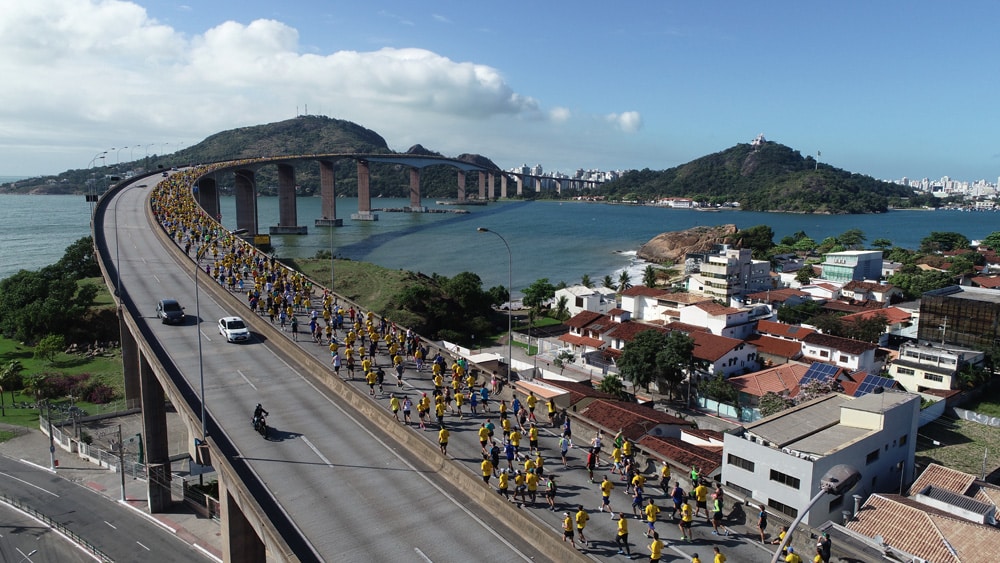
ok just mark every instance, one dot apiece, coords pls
pixel 462 202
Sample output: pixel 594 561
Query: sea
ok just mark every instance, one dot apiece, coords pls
pixel 560 241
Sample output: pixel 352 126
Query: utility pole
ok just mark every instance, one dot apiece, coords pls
pixel 121 460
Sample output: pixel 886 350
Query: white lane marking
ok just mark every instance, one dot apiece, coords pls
pixel 250 383
pixel 155 277
pixel 142 546
pixel 422 556
pixel 29 484
pixel 110 524
pixel 316 450
pixel 405 462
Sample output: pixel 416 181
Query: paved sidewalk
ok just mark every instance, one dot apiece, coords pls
pixel 33 447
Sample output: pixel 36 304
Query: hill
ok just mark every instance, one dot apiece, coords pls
pixel 768 177
pixel 306 134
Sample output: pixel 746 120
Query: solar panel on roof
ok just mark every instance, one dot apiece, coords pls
pixel 820 372
pixel 872 382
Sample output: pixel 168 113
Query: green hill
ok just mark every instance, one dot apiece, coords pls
pixel 771 177
pixel 302 135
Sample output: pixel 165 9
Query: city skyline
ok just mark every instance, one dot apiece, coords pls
pixel 597 87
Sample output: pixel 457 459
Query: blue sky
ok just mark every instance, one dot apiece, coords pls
pixel 888 89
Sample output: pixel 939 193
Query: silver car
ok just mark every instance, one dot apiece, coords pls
pixel 169 311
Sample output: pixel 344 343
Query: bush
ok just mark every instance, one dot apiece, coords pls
pixel 54 385
pixel 100 394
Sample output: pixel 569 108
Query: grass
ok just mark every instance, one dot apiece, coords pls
pixel 988 403
pixel 107 370
pixel 104 298
pixel 960 444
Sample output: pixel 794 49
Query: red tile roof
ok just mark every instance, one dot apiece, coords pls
pixel 776 295
pixel 925 532
pixel 783 379
pixel 711 347
pixel 616 311
pixel 685 327
pixel 634 420
pixel 684 298
pixel 713 308
pixel 845 307
pixel 874 287
pixel 772 346
pixel 894 315
pixel 783 330
pixel 627 330
pixel 643 291
pixel 582 319
pixel 582 341
pixel 989 282
pixel 943 477
pixel 682 454
pixel 848 345
pixel 579 391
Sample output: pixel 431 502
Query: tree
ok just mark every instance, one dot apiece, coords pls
pixel 772 403
pixel 851 238
pixel 538 293
pixel 79 260
pixel 759 238
pixel 804 275
pixel 797 314
pixel 649 276
pixel 586 281
pixel 607 282
pixel 992 241
pixel 624 281
pixel 49 346
pixel 720 390
pixel 675 360
pixel 466 289
pixel 881 244
pixel 805 244
pixel 11 378
pixel 943 242
pixel 827 245
pixel 562 308
pixel 612 385
pixel 919 282
pixel 638 362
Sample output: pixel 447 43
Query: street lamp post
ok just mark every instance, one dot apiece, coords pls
pixel 510 301
pixel 117 154
pixel 837 481
pixel 197 325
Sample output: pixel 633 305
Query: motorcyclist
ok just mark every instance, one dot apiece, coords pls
pixel 258 415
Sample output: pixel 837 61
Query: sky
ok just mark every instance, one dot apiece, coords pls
pixel 888 89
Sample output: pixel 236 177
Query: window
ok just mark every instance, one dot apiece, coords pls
pixel 579 302
pixel 904 371
pixel 843 359
pixel 903 439
pixel 782 508
pixel 933 377
pixel 872 457
pixel 785 479
pixel 740 462
pixel 824 353
pixel 741 490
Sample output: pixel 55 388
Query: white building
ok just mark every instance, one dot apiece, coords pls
pixel 924 366
pixel 852 265
pixel 730 273
pixel 780 460
pixel 581 298
pixel 843 352
pixel 719 319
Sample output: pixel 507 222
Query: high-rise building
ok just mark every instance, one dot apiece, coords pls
pixel 960 316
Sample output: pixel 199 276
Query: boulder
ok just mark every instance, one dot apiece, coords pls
pixel 673 246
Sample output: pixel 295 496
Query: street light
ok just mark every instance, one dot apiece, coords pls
pixel 197 325
pixel 117 154
pixel 510 301
pixel 837 481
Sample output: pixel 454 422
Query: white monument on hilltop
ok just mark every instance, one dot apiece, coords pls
pixel 758 141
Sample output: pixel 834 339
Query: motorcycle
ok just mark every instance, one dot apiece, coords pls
pixel 260 425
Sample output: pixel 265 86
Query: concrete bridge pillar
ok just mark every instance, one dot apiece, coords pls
pixel 415 203
pixel 287 212
pixel 238 535
pixel 461 185
pixel 489 186
pixel 558 186
pixel 208 197
pixel 364 195
pixel 130 364
pixel 503 186
pixel 520 184
pixel 328 195
pixel 244 188
pixel 154 439
pixel 538 184
pixel 482 185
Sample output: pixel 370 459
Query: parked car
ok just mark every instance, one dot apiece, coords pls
pixel 234 329
pixel 170 311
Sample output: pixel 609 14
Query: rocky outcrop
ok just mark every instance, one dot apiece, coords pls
pixel 673 246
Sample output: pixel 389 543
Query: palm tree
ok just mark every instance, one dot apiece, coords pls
pixel 624 281
pixel 608 282
pixel 612 385
pixel 562 308
pixel 586 282
pixel 649 276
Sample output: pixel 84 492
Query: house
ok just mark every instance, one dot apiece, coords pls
pixel 870 291
pixel 643 302
pixel 852 265
pixel 784 331
pixel 776 298
pixel 775 351
pixel 890 269
pixel 719 319
pixel 728 273
pixel 783 380
pixel 822 290
pixel 586 332
pixel 719 354
pixel 923 366
pixel 581 298
pixel 987 282
pixel 844 352
pixel 897 320
pixel 632 419
pixel 780 460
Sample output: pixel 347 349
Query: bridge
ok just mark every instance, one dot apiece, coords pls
pixel 244 181
pixel 338 479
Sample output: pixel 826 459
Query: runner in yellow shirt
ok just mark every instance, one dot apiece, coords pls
pixel 655 548
pixel 621 539
pixel 487 468
pixel 581 523
pixel 443 435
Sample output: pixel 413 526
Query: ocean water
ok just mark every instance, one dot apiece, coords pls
pixel 560 241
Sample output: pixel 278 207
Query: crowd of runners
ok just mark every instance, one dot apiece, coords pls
pixel 406 374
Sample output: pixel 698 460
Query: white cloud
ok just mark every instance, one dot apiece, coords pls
pixel 84 76
pixel 628 121
pixel 440 18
